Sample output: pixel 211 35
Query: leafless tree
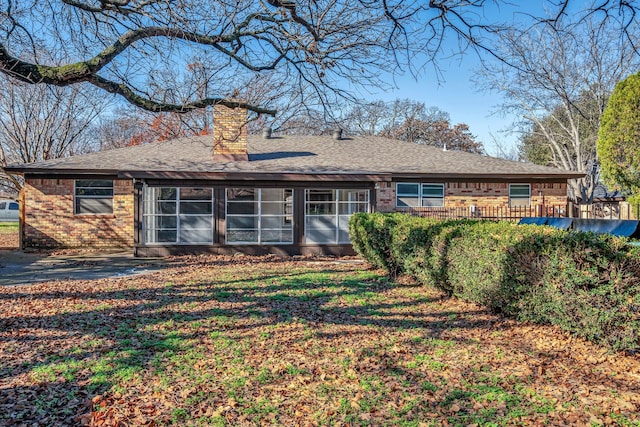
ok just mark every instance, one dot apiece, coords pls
pixel 557 76
pixel 409 120
pixel 40 122
pixel 308 46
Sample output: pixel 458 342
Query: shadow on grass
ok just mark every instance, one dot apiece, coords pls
pixel 126 332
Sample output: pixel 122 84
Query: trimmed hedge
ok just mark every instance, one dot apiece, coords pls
pixel 585 283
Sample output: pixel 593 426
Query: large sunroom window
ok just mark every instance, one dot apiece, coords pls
pixel 178 215
pixel 327 214
pixel 259 216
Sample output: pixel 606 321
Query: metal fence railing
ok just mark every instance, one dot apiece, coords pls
pixel 503 213
pixel 618 210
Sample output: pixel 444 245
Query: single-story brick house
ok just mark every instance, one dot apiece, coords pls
pixel 232 192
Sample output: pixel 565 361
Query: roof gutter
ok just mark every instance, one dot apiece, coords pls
pixel 293 176
pixel 256 176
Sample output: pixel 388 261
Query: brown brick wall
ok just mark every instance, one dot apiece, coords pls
pixel 49 219
pixel 479 194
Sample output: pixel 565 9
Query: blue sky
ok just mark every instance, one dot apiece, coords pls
pixel 458 95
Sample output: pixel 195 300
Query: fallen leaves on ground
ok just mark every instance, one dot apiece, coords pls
pixel 294 342
pixel 8 241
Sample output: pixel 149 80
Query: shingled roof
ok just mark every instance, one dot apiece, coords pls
pixel 293 157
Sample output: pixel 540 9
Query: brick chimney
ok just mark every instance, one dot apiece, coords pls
pixel 229 134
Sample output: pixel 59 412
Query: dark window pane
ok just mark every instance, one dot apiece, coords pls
pixel 91 192
pixel 188 193
pixel 236 222
pixel 196 207
pixel 321 195
pixel 13 206
pixel 408 189
pixel 519 190
pixel 246 208
pixel 432 190
pixel 94 183
pixel 166 236
pixel 165 222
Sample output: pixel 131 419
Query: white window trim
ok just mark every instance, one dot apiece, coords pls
pixel 75 197
pixel 337 213
pixel 420 194
pixel 177 215
pixel 259 216
pixel 519 197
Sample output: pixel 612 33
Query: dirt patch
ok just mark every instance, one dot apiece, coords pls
pixel 271 341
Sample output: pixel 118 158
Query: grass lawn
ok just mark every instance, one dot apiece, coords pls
pixel 8 227
pixel 8 237
pixel 216 341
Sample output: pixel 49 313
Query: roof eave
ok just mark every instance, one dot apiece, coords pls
pixel 253 176
pixel 492 176
pixel 58 171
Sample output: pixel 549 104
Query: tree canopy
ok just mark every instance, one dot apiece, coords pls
pixel 619 138
pixel 557 78
pixel 321 50
pixel 125 47
pixel 39 122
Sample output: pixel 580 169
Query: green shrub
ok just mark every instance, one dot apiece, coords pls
pixel 585 283
pixel 371 238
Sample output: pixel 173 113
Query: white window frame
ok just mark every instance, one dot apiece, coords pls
pixel 287 202
pixel 420 196
pixel 178 215
pixel 77 197
pixel 339 218
pixel 518 197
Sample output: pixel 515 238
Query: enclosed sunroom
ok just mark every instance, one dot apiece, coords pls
pixel 294 219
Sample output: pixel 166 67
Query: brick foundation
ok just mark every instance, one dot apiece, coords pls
pixel 50 222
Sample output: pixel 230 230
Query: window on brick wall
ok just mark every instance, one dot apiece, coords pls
pixel 93 196
pixel 519 195
pixel 413 194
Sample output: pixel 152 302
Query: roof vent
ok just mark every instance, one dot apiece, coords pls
pixel 266 133
pixel 337 134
